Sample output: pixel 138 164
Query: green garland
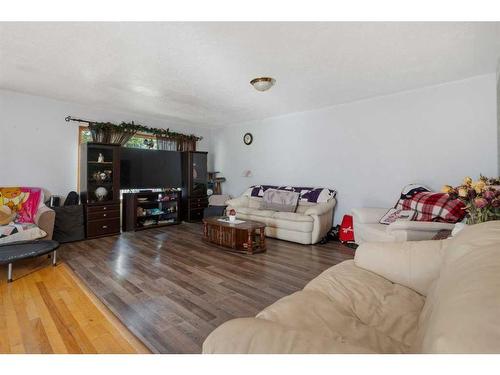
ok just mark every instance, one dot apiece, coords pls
pixel 131 127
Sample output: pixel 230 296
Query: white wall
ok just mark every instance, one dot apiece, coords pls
pixel 368 150
pixel 39 148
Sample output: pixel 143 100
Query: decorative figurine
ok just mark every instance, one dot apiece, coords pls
pixel 101 193
pixel 100 158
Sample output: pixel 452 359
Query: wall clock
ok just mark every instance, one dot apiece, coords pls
pixel 248 138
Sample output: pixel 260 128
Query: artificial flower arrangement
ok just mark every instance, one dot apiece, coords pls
pixel 481 198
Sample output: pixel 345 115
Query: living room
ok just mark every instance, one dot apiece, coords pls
pixel 249 187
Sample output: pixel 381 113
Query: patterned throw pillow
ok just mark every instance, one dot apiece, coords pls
pixel 395 214
pixel 23 201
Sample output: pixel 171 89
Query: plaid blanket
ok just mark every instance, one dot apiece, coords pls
pixel 431 206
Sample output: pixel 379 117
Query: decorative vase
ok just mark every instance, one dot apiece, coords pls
pixel 232 218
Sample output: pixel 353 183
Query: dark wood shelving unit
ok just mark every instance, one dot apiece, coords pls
pixel 194 185
pixel 145 210
pixel 100 188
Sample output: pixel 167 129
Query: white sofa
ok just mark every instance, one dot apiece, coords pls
pixel 308 225
pixel 406 297
pixel 368 229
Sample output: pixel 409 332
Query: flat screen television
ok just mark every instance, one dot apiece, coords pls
pixel 149 169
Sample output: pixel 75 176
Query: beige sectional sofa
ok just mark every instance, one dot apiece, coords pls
pixel 308 225
pixel 404 297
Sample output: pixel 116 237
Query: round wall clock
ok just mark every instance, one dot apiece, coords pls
pixel 248 138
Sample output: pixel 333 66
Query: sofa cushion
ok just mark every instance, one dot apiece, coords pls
pixel 315 313
pixel 292 216
pixel 300 223
pixel 260 336
pixel 256 203
pixel 472 237
pixel 390 309
pixel 303 206
pixel 254 212
pixel 462 310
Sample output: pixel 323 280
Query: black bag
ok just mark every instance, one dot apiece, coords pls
pixel 69 224
pixel 72 199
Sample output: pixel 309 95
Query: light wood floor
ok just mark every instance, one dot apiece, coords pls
pixel 51 311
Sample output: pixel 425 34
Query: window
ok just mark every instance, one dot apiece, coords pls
pixel 137 141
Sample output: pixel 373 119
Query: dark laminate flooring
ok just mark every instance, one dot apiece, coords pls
pixel 171 289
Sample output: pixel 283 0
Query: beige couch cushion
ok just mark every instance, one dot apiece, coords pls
pixel 256 203
pixel 259 336
pixel 303 206
pixel 292 225
pixel 462 310
pixel 414 264
pixel 388 308
pixel 291 216
pixel 354 306
pixel 254 212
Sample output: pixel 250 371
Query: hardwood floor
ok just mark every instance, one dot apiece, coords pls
pixel 49 311
pixel 171 289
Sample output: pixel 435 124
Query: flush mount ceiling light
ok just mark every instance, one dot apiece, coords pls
pixel 262 83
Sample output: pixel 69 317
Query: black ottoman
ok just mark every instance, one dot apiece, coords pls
pixel 10 252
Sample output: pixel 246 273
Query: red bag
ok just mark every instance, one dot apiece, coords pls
pixel 346 233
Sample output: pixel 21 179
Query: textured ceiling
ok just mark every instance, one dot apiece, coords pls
pixel 199 73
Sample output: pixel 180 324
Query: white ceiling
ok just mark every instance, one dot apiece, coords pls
pixel 199 73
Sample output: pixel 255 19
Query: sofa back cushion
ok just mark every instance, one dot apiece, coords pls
pixel 414 264
pixel 255 203
pixel 462 310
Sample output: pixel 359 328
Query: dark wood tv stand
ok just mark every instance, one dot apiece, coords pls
pixel 145 210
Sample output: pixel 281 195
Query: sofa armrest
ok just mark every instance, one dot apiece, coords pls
pixel 419 226
pixel 368 215
pixel 238 202
pixel 321 208
pixel 44 219
pixel 414 264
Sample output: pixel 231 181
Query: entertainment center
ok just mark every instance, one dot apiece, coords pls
pixel 146 210
pixel 141 188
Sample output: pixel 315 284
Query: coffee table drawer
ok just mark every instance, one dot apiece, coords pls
pixel 103 227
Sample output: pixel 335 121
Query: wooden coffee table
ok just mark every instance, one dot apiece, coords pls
pixel 247 237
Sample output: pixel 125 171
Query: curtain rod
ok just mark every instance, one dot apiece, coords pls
pixel 69 118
